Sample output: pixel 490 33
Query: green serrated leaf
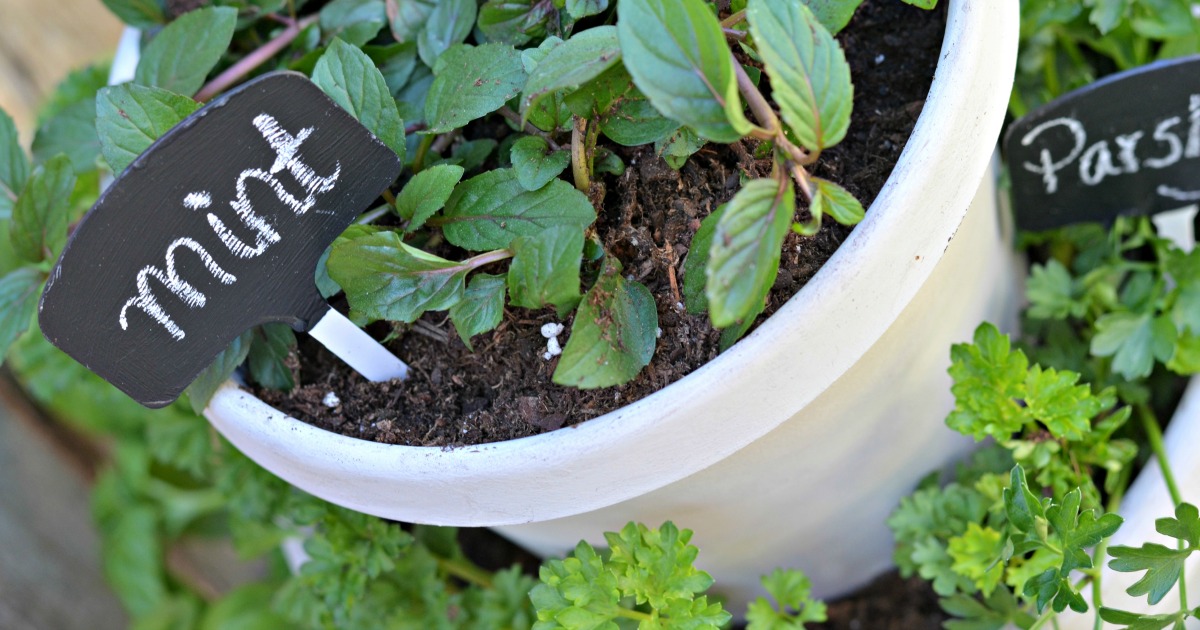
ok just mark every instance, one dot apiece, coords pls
pixel 795 606
pixel 19 290
pixel 143 14
pixel 977 556
pixel 613 335
pixel 810 79
pixel 514 22
pixel 1141 621
pixel 471 82
pixel 837 202
pixel 202 389
pixel 14 165
pixel 676 148
pixel 73 133
pixel 694 266
pixel 989 380
pixel 1161 564
pixel 596 98
pixel 408 17
pixel 744 256
pixel 1020 504
pixel 571 64
pixel 579 9
pixel 1134 342
pixel 480 309
pixel 634 122
pixel 247 607
pixel 396 63
pixel 1185 527
pixel 426 193
pixel 489 210
pixel 183 53
pixel 676 53
pixel 833 14
pixel 80 85
pixel 350 78
pixel 41 214
pixel 387 279
pixel 545 268
pixel 1079 531
pixel 355 22
pixel 269 350
pixel 535 163
pixel 448 24
pixel 472 154
pixel 130 117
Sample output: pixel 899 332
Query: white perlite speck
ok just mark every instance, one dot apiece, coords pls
pixel 552 330
pixel 331 400
pixel 552 349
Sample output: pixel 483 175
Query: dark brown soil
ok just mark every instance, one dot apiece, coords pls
pixel 503 390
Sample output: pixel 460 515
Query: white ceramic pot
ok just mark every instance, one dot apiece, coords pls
pixel 1146 501
pixel 791 448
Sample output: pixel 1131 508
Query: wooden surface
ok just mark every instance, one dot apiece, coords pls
pixel 40 42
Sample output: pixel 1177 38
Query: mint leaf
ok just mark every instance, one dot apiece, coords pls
pixel 41 214
pixel 426 193
pixel 833 14
pixel 810 79
pixel 472 154
pixel 355 22
pixel 386 279
pixel 14 165
pixel 408 17
pixel 634 122
pixel 676 148
pixel 514 22
pixel 80 85
pixel 448 24
pixel 396 63
pixel 181 55
pixel 491 209
pixel 572 63
pixel 480 309
pixel 19 291
pixel 270 346
pixel 471 82
pixel 597 97
pixel 545 268
pixel 351 79
pixel 535 163
pixel 143 14
pixel 694 267
pixel 73 133
pixel 744 256
pixel 613 335
pixel 579 9
pixel 1133 341
pixel 837 202
pixel 130 117
pixel 677 55
pixel 202 389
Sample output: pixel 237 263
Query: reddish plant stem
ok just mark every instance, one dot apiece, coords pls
pixel 259 56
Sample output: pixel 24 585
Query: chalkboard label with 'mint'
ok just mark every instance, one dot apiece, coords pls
pixel 216 228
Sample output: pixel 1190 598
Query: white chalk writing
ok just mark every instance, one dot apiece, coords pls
pixel 191 296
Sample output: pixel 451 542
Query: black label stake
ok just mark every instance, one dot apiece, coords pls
pixel 1128 144
pixel 215 229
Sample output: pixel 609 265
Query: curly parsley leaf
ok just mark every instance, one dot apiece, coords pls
pixel 794 605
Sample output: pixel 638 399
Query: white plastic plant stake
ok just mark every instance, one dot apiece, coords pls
pixel 358 349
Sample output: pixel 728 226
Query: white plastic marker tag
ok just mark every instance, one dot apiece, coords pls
pixel 215 229
pixel 358 349
pixel 1179 226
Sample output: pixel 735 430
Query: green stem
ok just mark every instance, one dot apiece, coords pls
pixel 579 161
pixel 422 151
pixel 466 571
pixel 757 102
pixel 486 258
pixel 734 19
pixel 1155 437
pixel 632 614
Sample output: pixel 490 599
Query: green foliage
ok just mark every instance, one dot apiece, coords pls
pixel 481 308
pixel 653 569
pixel 471 82
pixel 130 117
pixel 448 24
pixel 181 55
pixel 1162 565
pixel 794 605
pixel 144 14
pixel 14 165
pixel 354 22
pixel 488 211
pixel 572 64
pixel 677 56
pixel 206 384
pixel 614 333
pixel 426 193
pixel 808 70
pixel 19 291
pixel 42 211
pixel 386 279
pixel 743 258
pixel 545 268
pixel 535 163
pixel 351 79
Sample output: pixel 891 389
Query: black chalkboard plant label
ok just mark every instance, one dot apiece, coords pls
pixel 1128 144
pixel 217 228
